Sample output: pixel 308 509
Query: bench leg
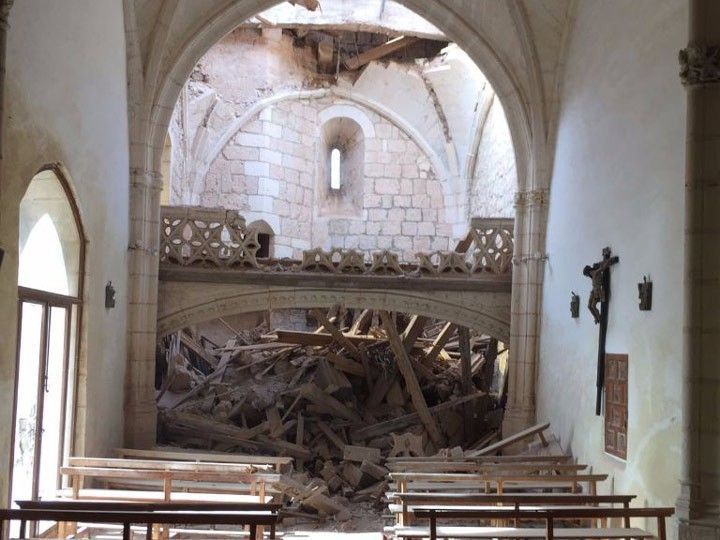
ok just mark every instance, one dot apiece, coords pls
pixel 272 531
pixel 126 531
pixel 253 532
pixel 23 528
pixel 549 533
pixel 661 528
pixel 433 528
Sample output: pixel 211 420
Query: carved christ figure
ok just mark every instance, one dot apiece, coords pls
pixel 596 273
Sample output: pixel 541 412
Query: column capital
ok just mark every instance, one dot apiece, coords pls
pixel 699 64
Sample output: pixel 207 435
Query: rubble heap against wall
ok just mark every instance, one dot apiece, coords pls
pixel 341 399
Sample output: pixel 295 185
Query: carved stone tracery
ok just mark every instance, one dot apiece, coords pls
pixel 192 236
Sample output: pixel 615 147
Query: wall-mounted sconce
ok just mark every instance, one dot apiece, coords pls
pixel 109 295
pixel 645 294
pixel 574 306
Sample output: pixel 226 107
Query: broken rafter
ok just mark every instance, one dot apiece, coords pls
pixel 411 382
pixel 318 340
pixel 380 51
pixel 356 352
pixel 412 331
pixel 442 338
pixel 381 428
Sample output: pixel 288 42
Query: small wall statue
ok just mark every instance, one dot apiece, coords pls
pixel 574 305
pixel 645 294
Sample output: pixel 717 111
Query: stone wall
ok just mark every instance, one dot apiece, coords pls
pixel 246 135
pixel 269 171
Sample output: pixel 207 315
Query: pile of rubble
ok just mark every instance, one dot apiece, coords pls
pixel 364 386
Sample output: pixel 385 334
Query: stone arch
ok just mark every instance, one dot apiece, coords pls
pixel 205 154
pixel 348 111
pixel 266 237
pixel 169 84
pixel 182 304
pixel 154 91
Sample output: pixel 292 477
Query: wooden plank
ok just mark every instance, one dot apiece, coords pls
pixel 475 467
pixel 517 437
pixel 197 349
pixel 362 323
pixel 145 474
pixel 520 458
pixel 345 341
pixel 466 382
pixel 361 453
pixel 331 435
pixel 411 382
pixel 514 532
pixel 180 454
pixel 499 475
pixel 381 428
pixel 413 331
pixel 311 392
pixel 345 364
pixel 380 51
pixel 439 342
pixel 286 338
pixel 149 464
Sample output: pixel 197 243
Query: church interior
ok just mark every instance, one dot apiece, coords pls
pixel 376 269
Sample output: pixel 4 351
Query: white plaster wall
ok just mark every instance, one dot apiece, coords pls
pixel 494 181
pixel 66 102
pixel 618 181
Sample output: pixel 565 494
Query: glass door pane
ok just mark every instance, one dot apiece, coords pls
pixel 53 406
pixel 27 403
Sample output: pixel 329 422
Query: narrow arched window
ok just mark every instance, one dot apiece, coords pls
pixel 335 178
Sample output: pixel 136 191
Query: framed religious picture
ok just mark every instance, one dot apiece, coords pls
pixel 616 404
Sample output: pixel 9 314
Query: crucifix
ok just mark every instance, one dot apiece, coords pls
pixel 599 273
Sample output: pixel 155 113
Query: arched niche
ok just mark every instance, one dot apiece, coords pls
pixel 341 154
pixel 266 238
pixel 51 238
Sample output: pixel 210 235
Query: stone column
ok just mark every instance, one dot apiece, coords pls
pixel 698 507
pixel 140 411
pixel 528 261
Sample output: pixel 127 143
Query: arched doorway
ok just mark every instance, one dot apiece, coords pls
pixel 50 283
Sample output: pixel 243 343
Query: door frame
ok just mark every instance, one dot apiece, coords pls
pixel 72 306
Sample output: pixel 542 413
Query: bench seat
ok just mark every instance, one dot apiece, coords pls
pixel 517 532
pixel 154 496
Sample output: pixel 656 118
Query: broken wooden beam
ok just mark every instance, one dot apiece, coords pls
pixel 381 428
pixel 411 382
pixel 380 51
pixel 361 453
pixel 440 341
pixel 412 331
pixel 329 404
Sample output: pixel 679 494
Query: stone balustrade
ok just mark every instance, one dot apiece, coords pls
pixel 212 237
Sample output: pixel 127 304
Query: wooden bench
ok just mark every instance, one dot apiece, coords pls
pixel 162 481
pixel 560 458
pixel 251 519
pixel 404 504
pixel 490 468
pixel 418 481
pixel 548 515
pixel 168 453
